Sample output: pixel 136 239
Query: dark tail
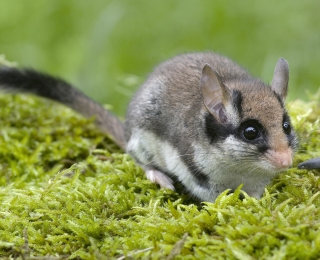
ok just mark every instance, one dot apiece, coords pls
pixel 30 81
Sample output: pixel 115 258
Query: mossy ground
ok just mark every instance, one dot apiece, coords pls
pixel 67 192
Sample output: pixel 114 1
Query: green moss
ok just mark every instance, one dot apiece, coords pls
pixel 67 191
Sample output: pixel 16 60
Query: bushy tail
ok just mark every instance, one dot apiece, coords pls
pixel 33 82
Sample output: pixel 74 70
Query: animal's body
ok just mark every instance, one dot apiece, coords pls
pixel 199 119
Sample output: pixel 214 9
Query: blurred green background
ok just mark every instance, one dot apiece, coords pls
pixel 107 48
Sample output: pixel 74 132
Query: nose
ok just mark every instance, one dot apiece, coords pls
pixel 280 159
pixel 284 159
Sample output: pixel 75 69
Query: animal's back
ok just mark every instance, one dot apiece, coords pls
pixel 172 90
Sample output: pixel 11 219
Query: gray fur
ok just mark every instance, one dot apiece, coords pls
pixel 281 78
pixel 170 106
pixel 186 123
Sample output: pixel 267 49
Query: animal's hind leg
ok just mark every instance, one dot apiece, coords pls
pixel 159 177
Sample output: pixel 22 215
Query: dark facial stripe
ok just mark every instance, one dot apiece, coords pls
pixel 261 141
pixel 262 148
pixel 292 139
pixel 216 130
pixel 237 101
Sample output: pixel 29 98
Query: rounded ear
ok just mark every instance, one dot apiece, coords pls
pixel 214 93
pixel 281 78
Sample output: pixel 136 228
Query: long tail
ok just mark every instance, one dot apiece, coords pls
pixel 30 81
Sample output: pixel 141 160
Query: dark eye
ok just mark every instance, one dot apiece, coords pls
pixel 251 132
pixel 286 128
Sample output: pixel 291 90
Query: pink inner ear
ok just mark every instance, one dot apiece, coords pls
pixel 223 117
pixel 219 112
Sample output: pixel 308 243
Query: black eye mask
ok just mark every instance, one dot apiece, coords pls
pixel 310 164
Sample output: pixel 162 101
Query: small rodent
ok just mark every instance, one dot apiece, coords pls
pixel 199 119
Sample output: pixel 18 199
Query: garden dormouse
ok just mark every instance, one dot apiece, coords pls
pixel 199 119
